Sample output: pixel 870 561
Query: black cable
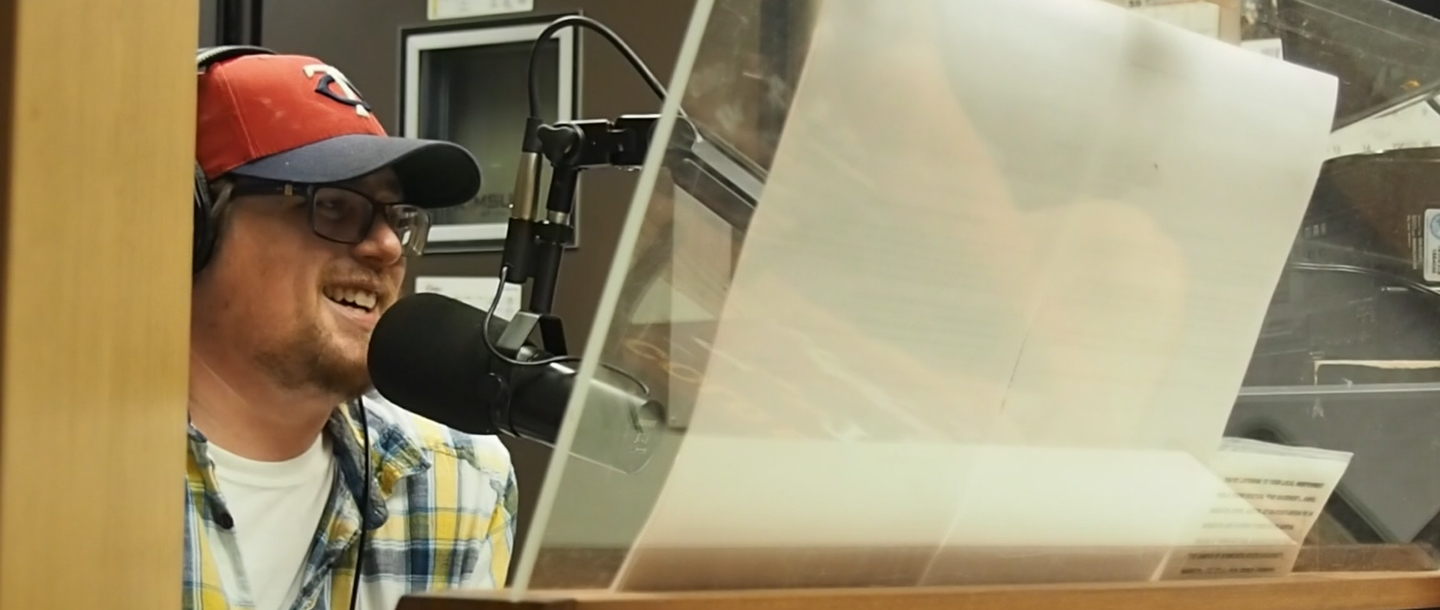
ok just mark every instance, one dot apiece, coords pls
pixel 582 21
pixel 362 503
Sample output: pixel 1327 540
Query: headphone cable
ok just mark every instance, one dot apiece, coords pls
pixel 362 504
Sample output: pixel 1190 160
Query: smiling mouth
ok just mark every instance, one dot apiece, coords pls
pixel 357 299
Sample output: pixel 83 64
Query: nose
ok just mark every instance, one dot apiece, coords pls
pixel 381 248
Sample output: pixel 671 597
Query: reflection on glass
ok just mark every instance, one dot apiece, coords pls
pixel 892 427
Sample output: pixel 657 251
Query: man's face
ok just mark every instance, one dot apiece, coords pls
pixel 298 306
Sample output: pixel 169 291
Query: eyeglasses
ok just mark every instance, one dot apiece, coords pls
pixel 346 216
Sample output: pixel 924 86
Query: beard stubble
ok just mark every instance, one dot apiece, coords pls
pixel 309 360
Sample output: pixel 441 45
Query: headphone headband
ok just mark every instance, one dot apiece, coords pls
pixel 208 56
pixel 204 238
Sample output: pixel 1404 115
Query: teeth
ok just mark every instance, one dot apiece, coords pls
pixel 363 299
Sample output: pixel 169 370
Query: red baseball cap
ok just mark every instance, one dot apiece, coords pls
pixel 291 118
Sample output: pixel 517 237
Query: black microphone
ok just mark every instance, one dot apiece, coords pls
pixel 429 356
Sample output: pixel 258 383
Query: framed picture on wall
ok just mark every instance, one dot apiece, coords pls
pixel 467 83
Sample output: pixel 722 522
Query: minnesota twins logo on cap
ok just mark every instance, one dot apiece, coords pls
pixel 333 77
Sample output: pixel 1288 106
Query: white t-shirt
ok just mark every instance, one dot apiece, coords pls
pixel 276 507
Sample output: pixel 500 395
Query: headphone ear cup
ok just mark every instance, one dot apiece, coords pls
pixel 204 239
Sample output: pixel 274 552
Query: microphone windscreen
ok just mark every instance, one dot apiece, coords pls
pixel 427 356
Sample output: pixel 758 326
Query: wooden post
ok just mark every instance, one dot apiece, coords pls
pixel 97 105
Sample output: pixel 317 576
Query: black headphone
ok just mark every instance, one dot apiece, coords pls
pixel 204 242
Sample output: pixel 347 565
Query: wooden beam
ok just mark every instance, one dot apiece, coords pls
pixel 97 105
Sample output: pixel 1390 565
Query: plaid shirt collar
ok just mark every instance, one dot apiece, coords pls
pixel 393 457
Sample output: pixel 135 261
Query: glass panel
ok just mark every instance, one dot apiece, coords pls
pixel 1347 358
pixel 981 330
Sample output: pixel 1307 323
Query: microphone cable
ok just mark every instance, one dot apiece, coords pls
pixel 581 21
pixel 362 504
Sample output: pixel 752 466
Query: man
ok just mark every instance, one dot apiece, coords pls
pixel 315 212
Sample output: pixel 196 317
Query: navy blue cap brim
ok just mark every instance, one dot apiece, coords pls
pixel 433 173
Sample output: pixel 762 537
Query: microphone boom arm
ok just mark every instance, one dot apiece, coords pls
pixel 534 246
pixel 571 147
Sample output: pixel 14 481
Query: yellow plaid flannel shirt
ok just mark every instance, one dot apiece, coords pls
pixel 441 515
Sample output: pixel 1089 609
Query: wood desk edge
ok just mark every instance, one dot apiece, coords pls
pixel 1331 591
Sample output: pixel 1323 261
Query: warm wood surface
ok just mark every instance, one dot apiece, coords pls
pixel 595 568
pixel 1378 591
pixel 1413 557
pixel 96 141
